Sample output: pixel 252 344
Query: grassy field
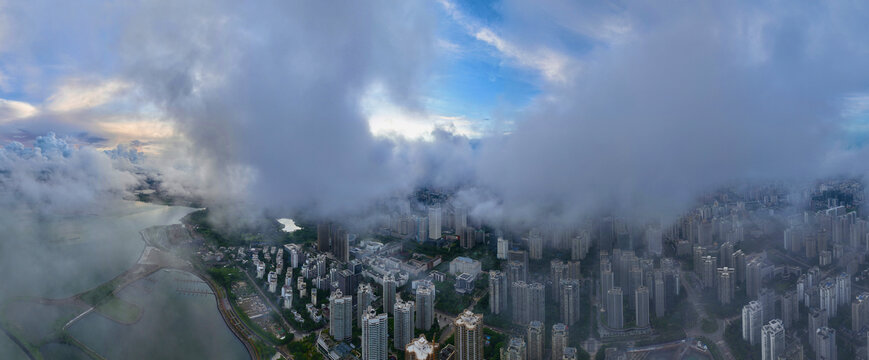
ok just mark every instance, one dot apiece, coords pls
pixel 119 310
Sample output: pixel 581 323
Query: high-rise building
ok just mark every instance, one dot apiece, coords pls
pixel 752 322
pixel 557 271
pixel 460 216
pixel 753 278
pixel 559 340
pixel 389 285
pixel 738 261
pixel 497 292
pixel 817 319
pixel 709 265
pixel 654 240
pixel 579 245
pixel 425 299
pixel 422 226
pixel 434 222
pixel 374 335
pixel 536 334
pixel 503 246
pixel 515 349
pixel 772 340
pixel 403 323
pixel 364 296
pixel 660 295
pixel 340 244
pixel 421 349
pixel 642 306
pixel 340 316
pixel 860 312
pixel 724 254
pixel 469 336
pixel 607 278
pixel 536 296
pixel 725 285
pixel 323 237
pixel 519 302
pixel 767 298
pixel 843 289
pixel 535 245
pixel 615 308
pixel 574 270
pixel 790 310
pixel 516 271
pixel 829 297
pixel 570 353
pixel 569 304
pixel 825 338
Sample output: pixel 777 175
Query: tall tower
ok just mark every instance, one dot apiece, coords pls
pixel 772 340
pixel 753 278
pixel 535 340
pixel 340 316
pixel 642 306
pixel 817 319
pixel 615 308
pixel 519 299
pixel 829 297
pixel 570 306
pixel 535 245
pixel 434 222
pixel 403 324
pixel 557 271
pixel 389 285
pixel 425 299
pixel 364 295
pixel 323 237
pixel 826 343
pixel 536 297
pixel 607 278
pixel 559 340
pixel 469 336
pixel 660 295
pixel 843 288
pixel 752 320
pixel 860 312
pixel 725 285
pixel 497 292
pixel 374 336
pixel 340 245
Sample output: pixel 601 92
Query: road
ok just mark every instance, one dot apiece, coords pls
pixel 695 331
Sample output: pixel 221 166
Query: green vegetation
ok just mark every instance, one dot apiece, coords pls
pixel 709 326
pixel 448 300
pixel 305 349
pixel 225 276
pixel 119 310
pixel 496 342
pixel 740 349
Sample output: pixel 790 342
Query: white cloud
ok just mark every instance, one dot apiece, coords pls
pixel 553 65
pixel 81 95
pixel 386 119
pixel 14 110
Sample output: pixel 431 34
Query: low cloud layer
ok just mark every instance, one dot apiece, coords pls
pixel 647 106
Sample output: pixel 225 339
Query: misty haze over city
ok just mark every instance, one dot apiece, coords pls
pixel 434 180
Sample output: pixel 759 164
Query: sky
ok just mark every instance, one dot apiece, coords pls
pixel 547 109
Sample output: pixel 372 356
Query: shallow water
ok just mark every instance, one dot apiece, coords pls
pixel 174 324
pixel 9 350
pixel 60 257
